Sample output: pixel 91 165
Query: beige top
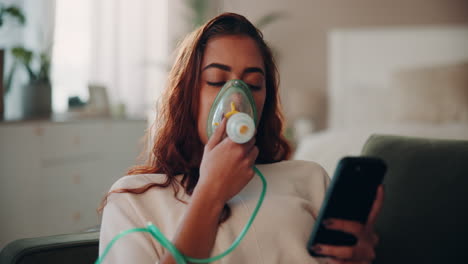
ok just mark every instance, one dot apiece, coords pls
pixel 278 235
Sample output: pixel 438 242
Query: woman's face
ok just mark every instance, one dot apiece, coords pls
pixel 226 58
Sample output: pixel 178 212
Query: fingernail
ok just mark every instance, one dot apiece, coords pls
pixel 328 222
pixel 317 249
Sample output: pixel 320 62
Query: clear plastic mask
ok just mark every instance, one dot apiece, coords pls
pixel 234 97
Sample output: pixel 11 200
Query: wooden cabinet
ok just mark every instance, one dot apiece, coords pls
pixel 54 174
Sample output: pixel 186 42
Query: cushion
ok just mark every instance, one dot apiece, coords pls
pixel 437 94
pixel 425 214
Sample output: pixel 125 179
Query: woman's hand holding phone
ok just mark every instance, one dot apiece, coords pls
pixel 363 252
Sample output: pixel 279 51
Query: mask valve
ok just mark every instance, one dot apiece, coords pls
pixel 240 128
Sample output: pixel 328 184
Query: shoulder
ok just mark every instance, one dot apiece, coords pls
pixel 298 164
pixel 306 178
pixel 135 199
pixel 137 181
pixel 142 189
pixel 300 168
pixel 125 210
pixel 144 193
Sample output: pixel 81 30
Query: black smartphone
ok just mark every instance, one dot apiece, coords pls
pixel 350 196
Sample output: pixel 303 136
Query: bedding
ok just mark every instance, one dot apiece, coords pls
pixel 328 147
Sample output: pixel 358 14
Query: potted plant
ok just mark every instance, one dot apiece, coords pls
pixel 13 12
pixel 37 93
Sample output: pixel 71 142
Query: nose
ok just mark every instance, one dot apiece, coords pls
pixel 237 99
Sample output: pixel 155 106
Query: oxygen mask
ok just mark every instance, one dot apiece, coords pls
pixel 234 102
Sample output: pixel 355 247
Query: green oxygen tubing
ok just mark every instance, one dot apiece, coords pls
pixel 178 256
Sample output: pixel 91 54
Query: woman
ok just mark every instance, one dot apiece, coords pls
pixel 200 191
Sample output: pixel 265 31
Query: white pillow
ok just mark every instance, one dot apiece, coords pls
pixel 437 94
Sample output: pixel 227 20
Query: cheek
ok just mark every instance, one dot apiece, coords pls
pixel 206 100
pixel 259 103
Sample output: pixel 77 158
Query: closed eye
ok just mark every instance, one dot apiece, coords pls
pixel 219 84
pixel 254 87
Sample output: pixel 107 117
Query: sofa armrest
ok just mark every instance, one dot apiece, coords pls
pixel 424 217
pixel 69 248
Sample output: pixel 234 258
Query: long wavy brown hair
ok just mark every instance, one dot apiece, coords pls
pixel 176 148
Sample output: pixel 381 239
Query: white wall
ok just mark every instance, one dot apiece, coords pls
pixel 364 61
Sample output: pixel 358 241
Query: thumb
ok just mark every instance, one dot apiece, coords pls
pixel 376 207
pixel 217 135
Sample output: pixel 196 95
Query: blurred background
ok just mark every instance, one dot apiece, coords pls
pixel 81 78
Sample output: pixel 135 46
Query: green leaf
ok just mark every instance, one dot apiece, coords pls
pixel 9 78
pixel 16 12
pixel 44 67
pixel 24 56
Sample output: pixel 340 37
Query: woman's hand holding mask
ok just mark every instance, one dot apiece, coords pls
pixel 226 166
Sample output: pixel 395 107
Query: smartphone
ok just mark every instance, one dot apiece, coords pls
pixel 350 196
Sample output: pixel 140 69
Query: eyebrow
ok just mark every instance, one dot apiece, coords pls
pixel 219 66
pixel 254 69
pixel 228 69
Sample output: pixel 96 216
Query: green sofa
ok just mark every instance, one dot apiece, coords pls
pixel 424 218
pixel 425 213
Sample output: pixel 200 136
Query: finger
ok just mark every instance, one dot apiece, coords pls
pixel 342 261
pixel 376 207
pixel 252 156
pixel 344 252
pixel 243 149
pixel 348 226
pixel 249 145
pixel 217 135
pixel 374 238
